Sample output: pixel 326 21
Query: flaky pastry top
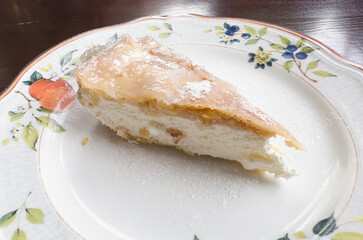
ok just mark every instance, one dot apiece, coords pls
pixel 143 71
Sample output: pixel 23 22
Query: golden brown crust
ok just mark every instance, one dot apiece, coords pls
pixel 147 73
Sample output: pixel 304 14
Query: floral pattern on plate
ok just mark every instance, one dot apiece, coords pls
pixel 33 215
pixel 46 95
pixel 295 53
pixel 166 30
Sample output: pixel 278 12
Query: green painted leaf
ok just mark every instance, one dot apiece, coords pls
pixel 54 126
pixel 262 31
pixel 195 237
pixel 321 73
pixel 50 123
pixel 168 26
pixel 66 78
pixel 286 237
pixel 299 235
pixel 19 124
pixel 285 41
pixel 307 49
pixel 15 139
pixel 218 28
pixel 50 66
pixel 300 43
pixel 277 46
pixel 359 219
pixel 66 58
pixel 75 61
pixel 15 116
pixel 325 226
pixel 35 76
pixel 19 235
pixel 288 65
pixel 312 65
pixel 252 41
pixel 164 35
pixel 35 215
pixel 219 33
pixel 41 109
pixel 28 83
pixel 70 73
pixel 7 218
pixel 153 28
pixel 30 135
pixel 347 236
pixel 4 143
pixel 43 69
pixel 44 121
pixel 250 30
pixel 207 31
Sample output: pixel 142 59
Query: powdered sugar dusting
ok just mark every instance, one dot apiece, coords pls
pixel 196 90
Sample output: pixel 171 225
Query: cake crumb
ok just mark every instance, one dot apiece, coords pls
pixel 176 134
pixel 85 141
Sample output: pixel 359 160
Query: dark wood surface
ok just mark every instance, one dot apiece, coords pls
pixel 27 28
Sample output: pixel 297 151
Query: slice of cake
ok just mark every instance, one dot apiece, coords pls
pixel 148 93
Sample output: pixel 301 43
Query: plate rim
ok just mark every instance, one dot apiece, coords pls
pixel 67 41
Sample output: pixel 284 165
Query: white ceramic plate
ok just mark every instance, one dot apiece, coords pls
pixel 54 187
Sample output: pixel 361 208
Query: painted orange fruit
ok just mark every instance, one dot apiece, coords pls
pixel 53 95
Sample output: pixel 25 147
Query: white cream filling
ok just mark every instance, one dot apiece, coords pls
pixel 245 146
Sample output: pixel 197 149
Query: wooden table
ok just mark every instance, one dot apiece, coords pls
pixel 27 28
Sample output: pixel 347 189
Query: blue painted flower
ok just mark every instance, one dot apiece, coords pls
pixel 262 57
pixel 246 36
pixel 289 54
pixel 231 30
pixel 229 34
pixel 234 28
